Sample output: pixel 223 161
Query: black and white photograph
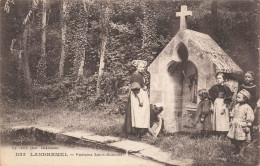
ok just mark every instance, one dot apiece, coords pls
pixel 129 83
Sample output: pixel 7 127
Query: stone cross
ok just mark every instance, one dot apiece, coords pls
pixel 182 14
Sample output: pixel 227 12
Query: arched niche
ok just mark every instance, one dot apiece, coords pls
pixel 185 77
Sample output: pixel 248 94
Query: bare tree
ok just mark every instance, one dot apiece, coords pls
pixel 25 63
pixel 41 68
pixel 86 5
pixel 214 18
pixel 63 18
pixel 104 35
pixel 258 20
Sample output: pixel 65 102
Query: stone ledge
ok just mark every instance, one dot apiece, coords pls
pixel 102 139
pixel 21 127
pixel 130 146
pixel 49 129
pixel 77 134
pixel 92 137
pixel 158 155
pixel 138 149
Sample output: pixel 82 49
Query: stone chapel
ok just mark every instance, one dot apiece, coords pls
pixel 187 64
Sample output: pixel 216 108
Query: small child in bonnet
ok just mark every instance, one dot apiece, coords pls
pixel 156 121
pixel 242 117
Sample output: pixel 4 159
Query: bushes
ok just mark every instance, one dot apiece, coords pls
pixel 79 95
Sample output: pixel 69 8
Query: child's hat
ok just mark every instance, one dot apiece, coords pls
pixel 135 85
pixel 245 93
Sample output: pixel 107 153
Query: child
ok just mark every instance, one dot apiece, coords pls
pixel 156 122
pixel 250 87
pixel 219 93
pixel 242 117
pixel 203 114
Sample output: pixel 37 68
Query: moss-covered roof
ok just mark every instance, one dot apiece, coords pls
pixel 211 49
pixel 205 46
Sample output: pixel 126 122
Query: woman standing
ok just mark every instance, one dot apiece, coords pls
pixel 138 108
pixel 219 93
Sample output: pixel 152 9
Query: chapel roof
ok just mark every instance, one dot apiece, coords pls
pixel 208 47
pixel 205 46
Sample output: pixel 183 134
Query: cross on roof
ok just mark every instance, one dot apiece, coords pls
pixel 182 14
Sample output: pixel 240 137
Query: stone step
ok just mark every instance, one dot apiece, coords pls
pixel 21 127
pixel 49 129
pixel 157 154
pixel 130 146
pixel 92 137
pixel 103 139
pixel 78 134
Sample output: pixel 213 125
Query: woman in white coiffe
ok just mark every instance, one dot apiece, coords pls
pixel 138 108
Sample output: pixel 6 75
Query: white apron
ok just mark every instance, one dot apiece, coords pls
pixel 140 115
pixel 220 120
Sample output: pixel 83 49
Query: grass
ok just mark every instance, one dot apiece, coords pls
pixel 204 150
pixel 99 122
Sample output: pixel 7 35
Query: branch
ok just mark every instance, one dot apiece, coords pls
pixel 35 3
pixel 12 46
pixel 27 17
pixel 7 7
pixel 34 6
pixel 20 54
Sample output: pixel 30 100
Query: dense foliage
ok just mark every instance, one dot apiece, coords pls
pixel 136 30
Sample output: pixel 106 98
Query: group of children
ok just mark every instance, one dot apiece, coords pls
pixel 219 111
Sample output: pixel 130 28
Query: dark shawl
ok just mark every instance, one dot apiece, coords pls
pixel 137 77
pixel 215 89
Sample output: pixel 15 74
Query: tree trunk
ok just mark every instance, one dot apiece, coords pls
pixel 104 35
pixel 81 39
pixel 145 27
pixel 25 63
pixel 258 26
pixel 41 73
pixel 149 32
pixel 63 16
pixel 81 68
pixel 214 19
pixel 149 35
